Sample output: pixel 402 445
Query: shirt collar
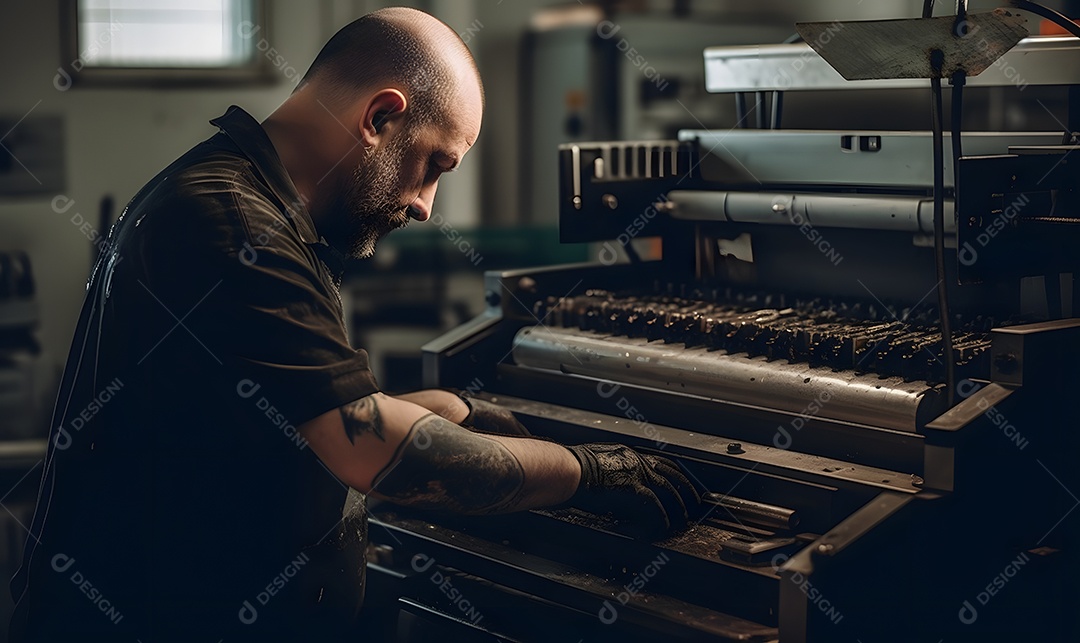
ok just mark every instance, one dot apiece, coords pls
pixel 248 135
pixel 332 258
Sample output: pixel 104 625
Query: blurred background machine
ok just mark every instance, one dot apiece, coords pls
pixel 786 348
pixel 26 390
pixel 595 75
pixel 22 379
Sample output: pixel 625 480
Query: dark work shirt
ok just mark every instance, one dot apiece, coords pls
pixel 178 500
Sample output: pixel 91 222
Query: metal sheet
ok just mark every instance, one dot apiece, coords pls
pixel 971 408
pixel 880 49
pixel 814 157
pixel 1038 60
pixel 865 399
pixel 760 459
pixel 800 568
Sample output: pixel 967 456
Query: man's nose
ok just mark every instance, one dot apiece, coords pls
pixel 420 208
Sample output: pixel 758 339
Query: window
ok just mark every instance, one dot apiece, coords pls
pixel 164 41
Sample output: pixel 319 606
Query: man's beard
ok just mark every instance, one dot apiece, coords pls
pixel 372 201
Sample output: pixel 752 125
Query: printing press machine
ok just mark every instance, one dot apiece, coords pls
pixel 786 351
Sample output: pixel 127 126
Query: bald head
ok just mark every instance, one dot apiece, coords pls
pixel 391 103
pixel 396 47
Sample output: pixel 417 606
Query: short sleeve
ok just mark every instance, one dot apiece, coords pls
pixel 264 317
pixel 284 330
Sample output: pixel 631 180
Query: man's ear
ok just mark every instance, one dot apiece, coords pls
pixel 382 114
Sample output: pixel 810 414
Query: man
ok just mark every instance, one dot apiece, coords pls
pixel 202 498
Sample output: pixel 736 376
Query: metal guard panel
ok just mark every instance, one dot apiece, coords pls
pixel 1036 60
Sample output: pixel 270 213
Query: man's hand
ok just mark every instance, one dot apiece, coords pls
pixel 646 493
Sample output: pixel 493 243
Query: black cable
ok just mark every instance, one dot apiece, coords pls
pixel 928 9
pixel 1049 14
pixel 937 60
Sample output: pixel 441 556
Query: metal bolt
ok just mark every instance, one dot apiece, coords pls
pixel 735 447
pixel 825 549
pixel 610 201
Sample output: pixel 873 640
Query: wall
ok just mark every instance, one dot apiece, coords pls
pixel 116 139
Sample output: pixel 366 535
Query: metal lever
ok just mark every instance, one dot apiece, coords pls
pixel 756 513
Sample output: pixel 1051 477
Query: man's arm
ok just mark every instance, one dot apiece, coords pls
pixel 400 451
pixel 469 412
pixel 439 402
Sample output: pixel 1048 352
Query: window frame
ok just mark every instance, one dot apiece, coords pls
pixel 259 71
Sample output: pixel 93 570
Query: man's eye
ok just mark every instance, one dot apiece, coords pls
pixel 435 170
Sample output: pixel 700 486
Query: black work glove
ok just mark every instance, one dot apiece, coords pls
pixel 485 417
pixel 647 494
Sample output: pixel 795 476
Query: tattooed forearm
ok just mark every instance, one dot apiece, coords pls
pixel 442 466
pixel 362 416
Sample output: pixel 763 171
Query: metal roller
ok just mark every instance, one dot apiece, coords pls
pixel 858 211
pixel 808 391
